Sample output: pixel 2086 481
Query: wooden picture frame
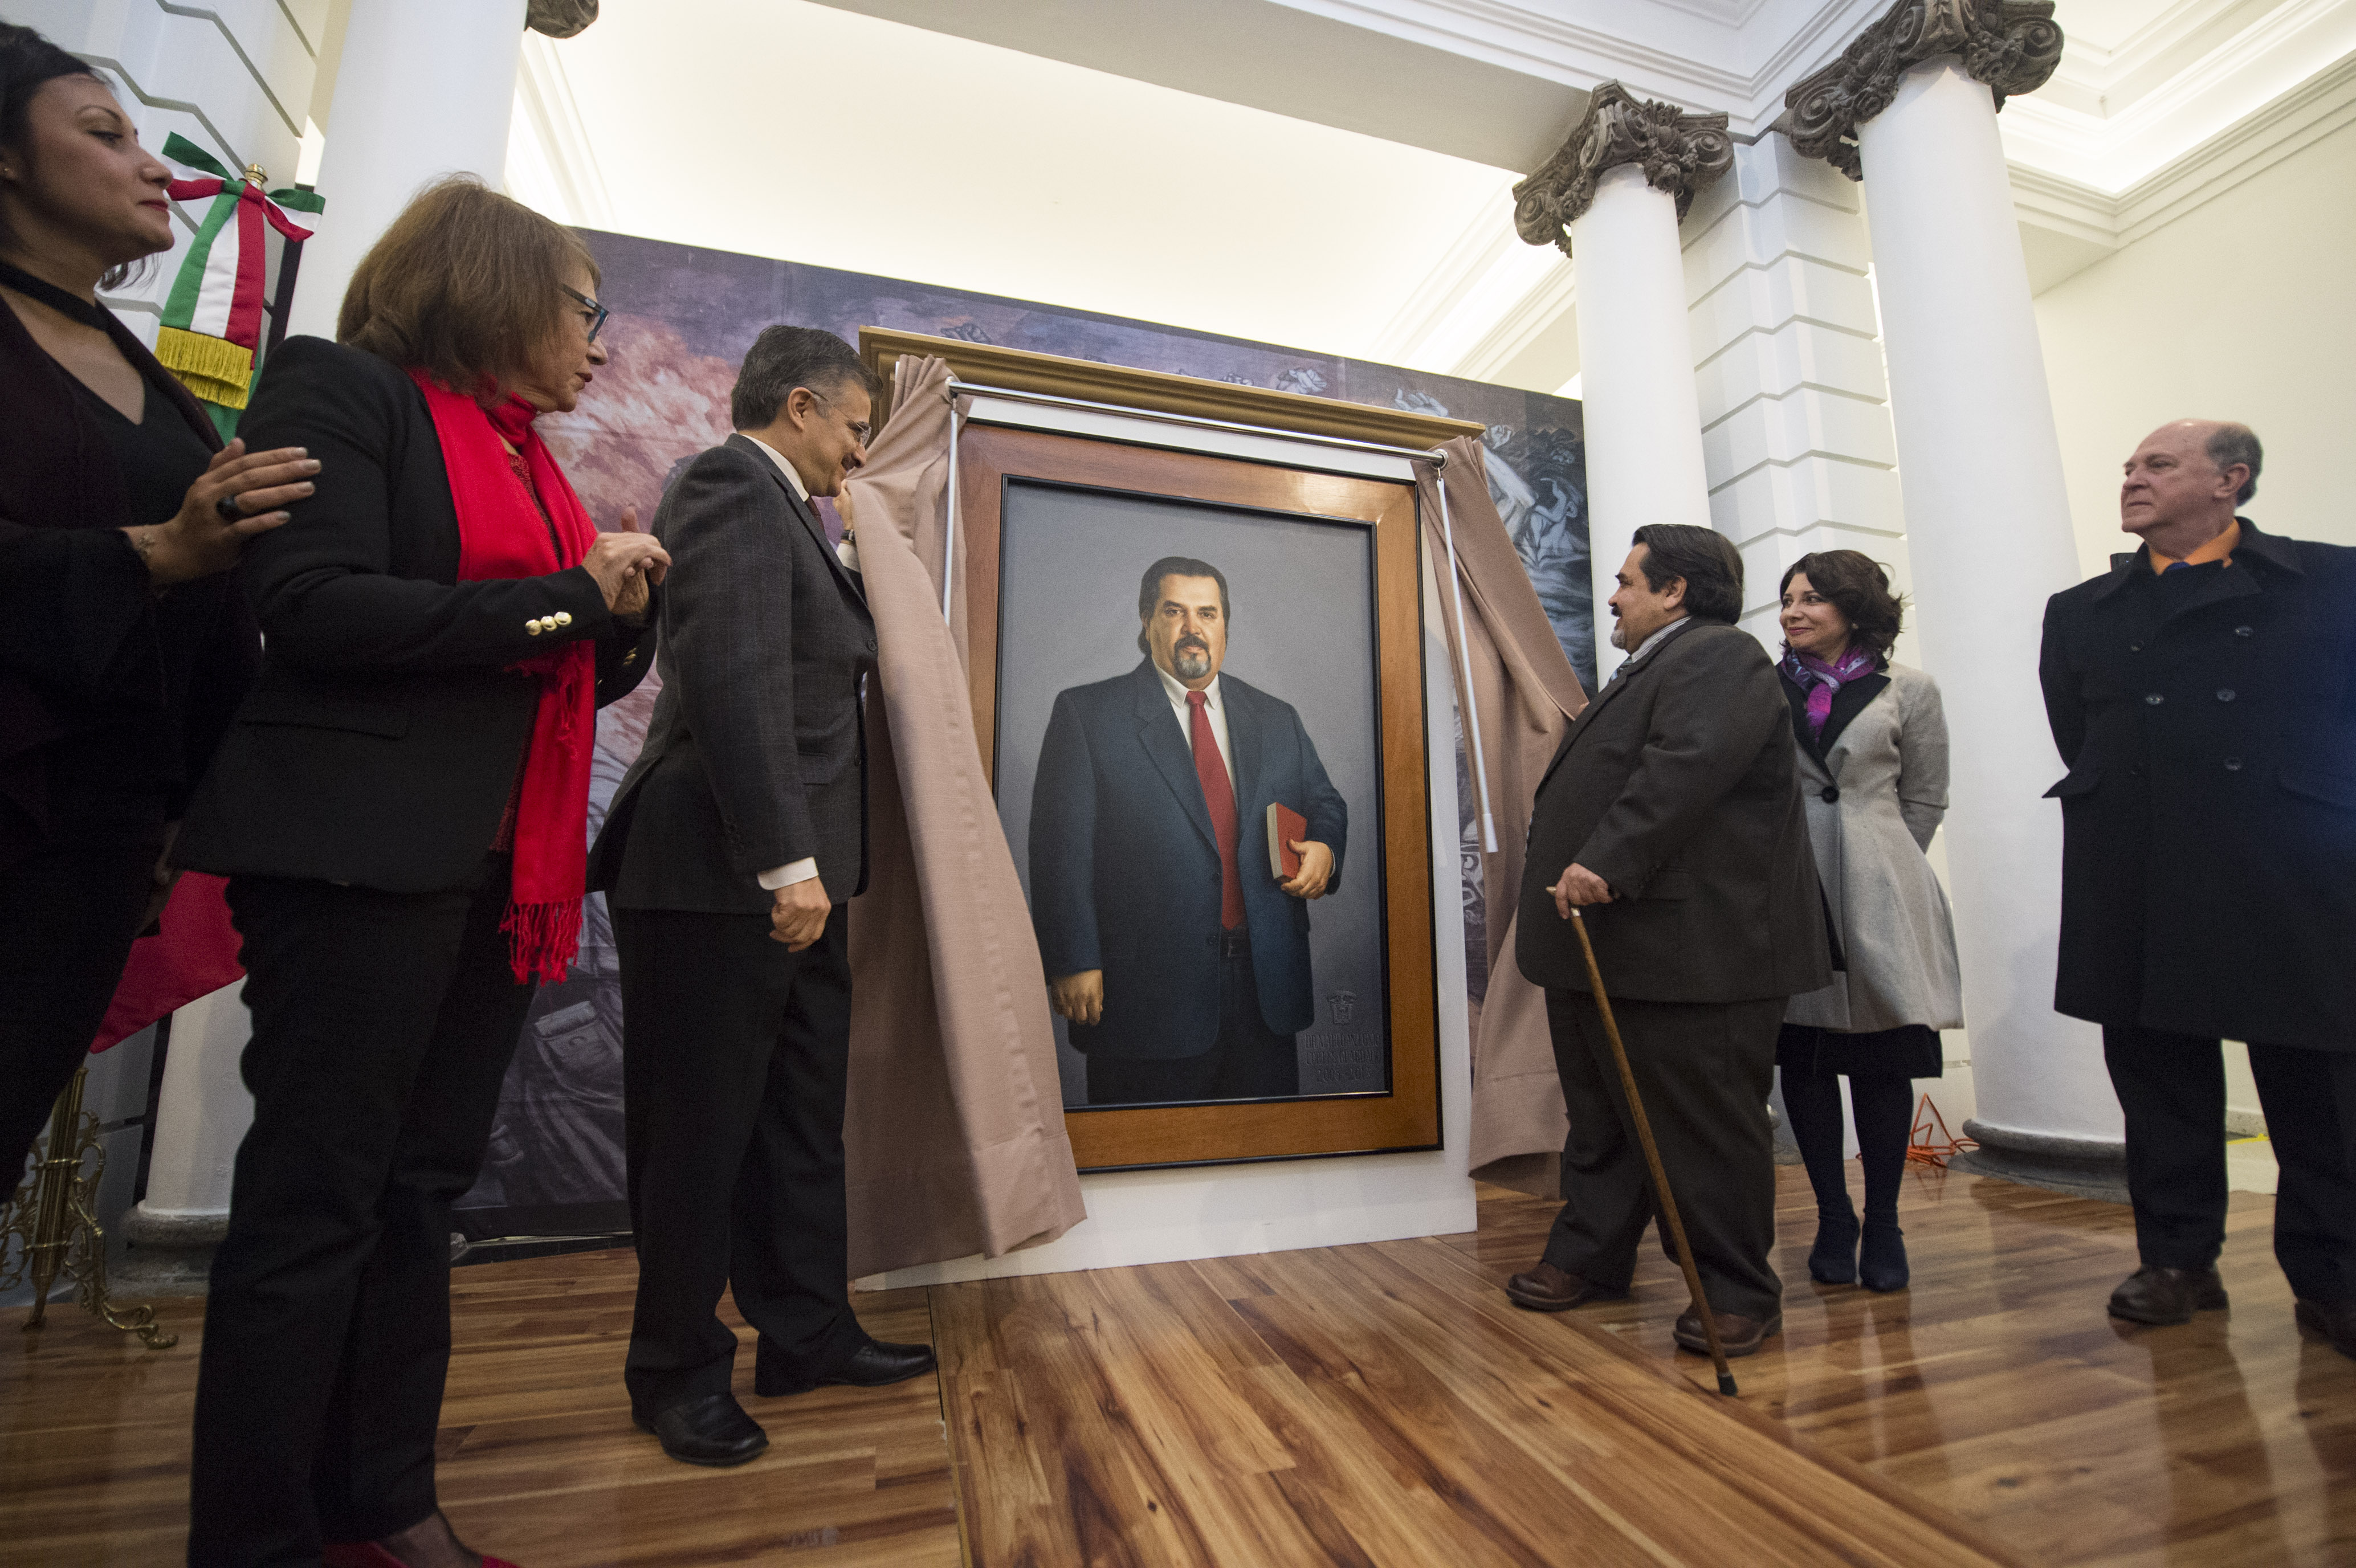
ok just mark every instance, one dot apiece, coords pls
pixel 996 462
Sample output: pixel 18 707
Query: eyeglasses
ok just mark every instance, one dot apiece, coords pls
pixel 860 432
pixel 597 312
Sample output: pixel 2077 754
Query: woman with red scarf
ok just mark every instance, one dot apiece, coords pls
pixel 400 807
pixel 1873 743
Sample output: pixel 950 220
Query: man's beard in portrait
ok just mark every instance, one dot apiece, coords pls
pixel 1620 633
pixel 1191 656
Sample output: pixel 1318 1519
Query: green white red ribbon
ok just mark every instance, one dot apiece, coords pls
pixel 212 333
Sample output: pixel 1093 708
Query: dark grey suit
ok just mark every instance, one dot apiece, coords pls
pixel 756 757
pixel 734 1049
pixel 1677 786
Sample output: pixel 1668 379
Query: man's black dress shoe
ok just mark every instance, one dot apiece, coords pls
pixel 2163 1295
pixel 2334 1320
pixel 710 1429
pixel 873 1365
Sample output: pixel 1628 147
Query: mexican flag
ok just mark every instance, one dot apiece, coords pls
pixel 211 335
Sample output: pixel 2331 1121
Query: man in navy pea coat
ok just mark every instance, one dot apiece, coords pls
pixel 1180 961
pixel 2204 693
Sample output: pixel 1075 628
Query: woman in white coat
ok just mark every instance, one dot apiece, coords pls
pixel 1872 742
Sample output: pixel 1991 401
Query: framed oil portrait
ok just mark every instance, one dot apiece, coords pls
pixel 1198 680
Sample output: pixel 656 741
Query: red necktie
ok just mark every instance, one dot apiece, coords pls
pixel 1220 796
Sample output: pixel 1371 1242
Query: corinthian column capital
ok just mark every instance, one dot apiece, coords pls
pixel 559 19
pixel 2011 45
pixel 1679 152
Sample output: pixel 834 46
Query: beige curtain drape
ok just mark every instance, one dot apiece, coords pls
pixel 954 1131
pixel 1521 697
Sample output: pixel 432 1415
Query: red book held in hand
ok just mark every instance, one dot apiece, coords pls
pixel 1286 827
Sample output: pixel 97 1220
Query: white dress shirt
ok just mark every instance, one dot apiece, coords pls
pixel 1212 706
pixel 803 869
pixel 1656 640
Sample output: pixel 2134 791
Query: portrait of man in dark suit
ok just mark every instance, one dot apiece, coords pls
pixel 1174 948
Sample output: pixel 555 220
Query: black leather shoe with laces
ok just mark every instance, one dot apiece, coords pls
pixel 2165 1295
pixel 710 1429
pixel 873 1365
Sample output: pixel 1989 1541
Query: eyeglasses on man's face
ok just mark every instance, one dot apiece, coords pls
pixel 595 313
pixel 860 431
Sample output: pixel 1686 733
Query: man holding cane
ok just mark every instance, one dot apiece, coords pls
pixel 1673 804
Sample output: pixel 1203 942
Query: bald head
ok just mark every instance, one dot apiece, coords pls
pixel 2184 481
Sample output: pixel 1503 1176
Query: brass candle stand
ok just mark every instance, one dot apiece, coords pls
pixel 48 1230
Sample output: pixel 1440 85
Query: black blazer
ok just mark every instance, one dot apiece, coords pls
pixel 91 663
pixel 2208 719
pixel 756 756
pixel 1676 785
pixel 380 745
pixel 1125 871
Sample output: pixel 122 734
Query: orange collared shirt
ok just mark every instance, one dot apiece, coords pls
pixel 2219 548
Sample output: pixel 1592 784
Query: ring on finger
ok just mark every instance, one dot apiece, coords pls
pixel 230 512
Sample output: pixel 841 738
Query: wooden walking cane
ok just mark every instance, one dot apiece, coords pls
pixel 1652 1160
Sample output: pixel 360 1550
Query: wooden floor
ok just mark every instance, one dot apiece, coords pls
pixel 1372 1405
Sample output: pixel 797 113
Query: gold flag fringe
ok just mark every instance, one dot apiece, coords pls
pixel 214 368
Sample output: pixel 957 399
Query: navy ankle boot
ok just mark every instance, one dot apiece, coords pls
pixel 1883 1263
pixel 1833 1260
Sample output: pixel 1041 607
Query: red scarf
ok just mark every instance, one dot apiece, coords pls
pixel 502 535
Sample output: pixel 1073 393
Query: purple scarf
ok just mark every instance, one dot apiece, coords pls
pixel 1821 680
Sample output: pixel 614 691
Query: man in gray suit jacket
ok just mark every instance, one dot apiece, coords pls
pixel 1672 815
pixel 730 845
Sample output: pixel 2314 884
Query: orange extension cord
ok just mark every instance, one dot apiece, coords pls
pixel 1924 1148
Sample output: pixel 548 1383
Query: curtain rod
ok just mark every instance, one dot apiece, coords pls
pixel 1434 455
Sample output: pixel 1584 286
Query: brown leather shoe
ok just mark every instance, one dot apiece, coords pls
pixel 1737 1335
pixel 2334 1320
pixel 2163 1295
pixel 1545 1288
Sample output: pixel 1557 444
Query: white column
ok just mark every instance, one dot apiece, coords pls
pixel 201 1118
pixel 1644 419
pixel 1794 409
pixel 425 88
pixel 1989 525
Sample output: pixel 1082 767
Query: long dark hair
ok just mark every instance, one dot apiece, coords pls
pixel 1854 584
pixel 27 61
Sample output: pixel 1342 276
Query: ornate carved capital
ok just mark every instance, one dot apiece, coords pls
pixel 559 19
pixel 2011 45
pixel 1679 152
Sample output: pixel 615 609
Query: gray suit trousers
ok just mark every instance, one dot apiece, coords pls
pixel 1704 1070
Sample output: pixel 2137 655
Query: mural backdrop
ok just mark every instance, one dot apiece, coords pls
pixel 682 317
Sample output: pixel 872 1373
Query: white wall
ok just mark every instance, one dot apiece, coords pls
pixel 2239 309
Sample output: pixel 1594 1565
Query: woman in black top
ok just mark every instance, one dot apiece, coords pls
pixel 123 644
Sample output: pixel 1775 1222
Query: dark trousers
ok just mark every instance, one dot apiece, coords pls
pixel 68 914
pixel 1247 1059
pixel 735 1054
pixel 1704 1072
pixel 2172 1088
pixel 382 1024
